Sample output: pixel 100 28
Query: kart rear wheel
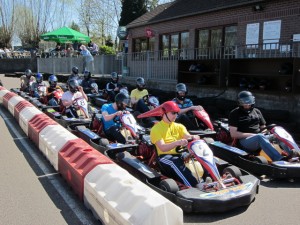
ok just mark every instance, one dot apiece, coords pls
pixel 169 185
pixel 233 171
pixel 260 159
pixel 103 142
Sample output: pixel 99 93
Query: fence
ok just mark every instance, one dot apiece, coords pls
pixel 162 65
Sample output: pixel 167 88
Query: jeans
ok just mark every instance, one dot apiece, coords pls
pixel 113 133
pixel 174 167
pixel 260 141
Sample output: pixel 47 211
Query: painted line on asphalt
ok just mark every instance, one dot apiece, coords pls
pixel 45 168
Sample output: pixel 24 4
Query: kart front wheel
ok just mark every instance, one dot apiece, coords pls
pixel 169 185
pixel 103 142
pixel 233 171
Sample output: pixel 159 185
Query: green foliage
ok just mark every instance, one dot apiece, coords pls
pixel 107 50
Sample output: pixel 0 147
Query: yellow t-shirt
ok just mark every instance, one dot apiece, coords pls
pixel 136 94
pixel 169 133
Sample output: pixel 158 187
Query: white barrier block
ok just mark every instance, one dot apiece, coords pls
pixel 2 93
pixel 26 115
pixel 51 140
pixel 116 197
pixel 13 102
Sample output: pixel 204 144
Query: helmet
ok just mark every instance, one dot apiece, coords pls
pixel 52 80
pixel 87 74
pixel 122 99
pixel 73 85
pixel 170 106
pixel 114 77
pixel 75 69
pixel 28 72
pixel 140 83
pixel 181 88
pixel 39 77
pixel 246 98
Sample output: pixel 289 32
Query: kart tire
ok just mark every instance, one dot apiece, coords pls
pixel 103 142
pixel 260 159
pixel 169 185
pixel 233 171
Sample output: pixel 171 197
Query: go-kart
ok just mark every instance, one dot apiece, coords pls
pixel 227 186
pixel 258 162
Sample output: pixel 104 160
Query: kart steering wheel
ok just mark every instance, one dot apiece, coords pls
pixel 181 149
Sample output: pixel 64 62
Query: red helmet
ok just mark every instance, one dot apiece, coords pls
pixel 170 106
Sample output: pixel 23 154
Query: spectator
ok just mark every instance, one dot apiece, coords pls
pixel 88 59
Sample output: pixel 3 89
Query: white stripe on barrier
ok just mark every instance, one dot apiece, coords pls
pixel 118 198
pixel 2 93
pixel 26 115
pixel 51 140
pixel 13 102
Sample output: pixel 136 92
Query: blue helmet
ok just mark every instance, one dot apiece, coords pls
pixel 52 80
pixel 39 77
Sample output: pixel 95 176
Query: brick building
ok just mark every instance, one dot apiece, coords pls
pixel 234 40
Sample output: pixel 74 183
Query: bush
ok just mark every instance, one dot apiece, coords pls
pixel 106 50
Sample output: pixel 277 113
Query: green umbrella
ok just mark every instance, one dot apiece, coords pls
pixel 65 34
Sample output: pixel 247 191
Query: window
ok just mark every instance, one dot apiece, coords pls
pixel 143 44
pixel 215 42
pixel 172 44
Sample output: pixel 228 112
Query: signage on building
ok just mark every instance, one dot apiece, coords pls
pixel 122 33
pixel 149 32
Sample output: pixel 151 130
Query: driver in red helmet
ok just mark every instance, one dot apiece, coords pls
pixel 167 135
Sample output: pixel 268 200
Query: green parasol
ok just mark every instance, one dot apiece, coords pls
pixel 65 34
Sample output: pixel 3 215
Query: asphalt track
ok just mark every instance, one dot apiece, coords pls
pixel 31 192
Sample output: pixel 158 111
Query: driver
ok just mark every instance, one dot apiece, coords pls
pixel 89 85
pixel 26 80
pixel 185 115
pixel 51 90
pixel 68 98
pixel 245 124
pixel 113 87
pixel 74 73
pixel 38 89
pixel 137 95
pixel 167 135
pixel 111 113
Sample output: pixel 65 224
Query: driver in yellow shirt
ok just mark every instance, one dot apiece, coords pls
pixel 137 94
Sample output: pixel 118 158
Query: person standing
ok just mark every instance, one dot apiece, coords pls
pixel 88 59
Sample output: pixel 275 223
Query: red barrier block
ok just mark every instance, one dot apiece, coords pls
pixel 6 98
pixel 19 107
pixel 37 124
pixel 75 160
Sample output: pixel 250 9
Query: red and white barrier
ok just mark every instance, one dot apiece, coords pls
pixel 113 195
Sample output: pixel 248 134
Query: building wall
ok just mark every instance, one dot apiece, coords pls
pixel 287 11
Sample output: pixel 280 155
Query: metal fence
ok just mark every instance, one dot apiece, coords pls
pixel 163 65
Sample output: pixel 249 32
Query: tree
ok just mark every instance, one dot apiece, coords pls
pixel 7 21
pixel 75 26
pixel 132 9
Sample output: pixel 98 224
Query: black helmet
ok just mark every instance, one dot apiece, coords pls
pixel 39 77
pixel 114 77
pixel 122 100
pixel 28 72
pixel 52 80
pixel 87 74
pixel 140 83
pixel 246 98
pixel 181 88
pixel 75 69
pixel 73 85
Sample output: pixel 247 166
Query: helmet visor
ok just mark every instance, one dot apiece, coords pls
pixel 247 100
